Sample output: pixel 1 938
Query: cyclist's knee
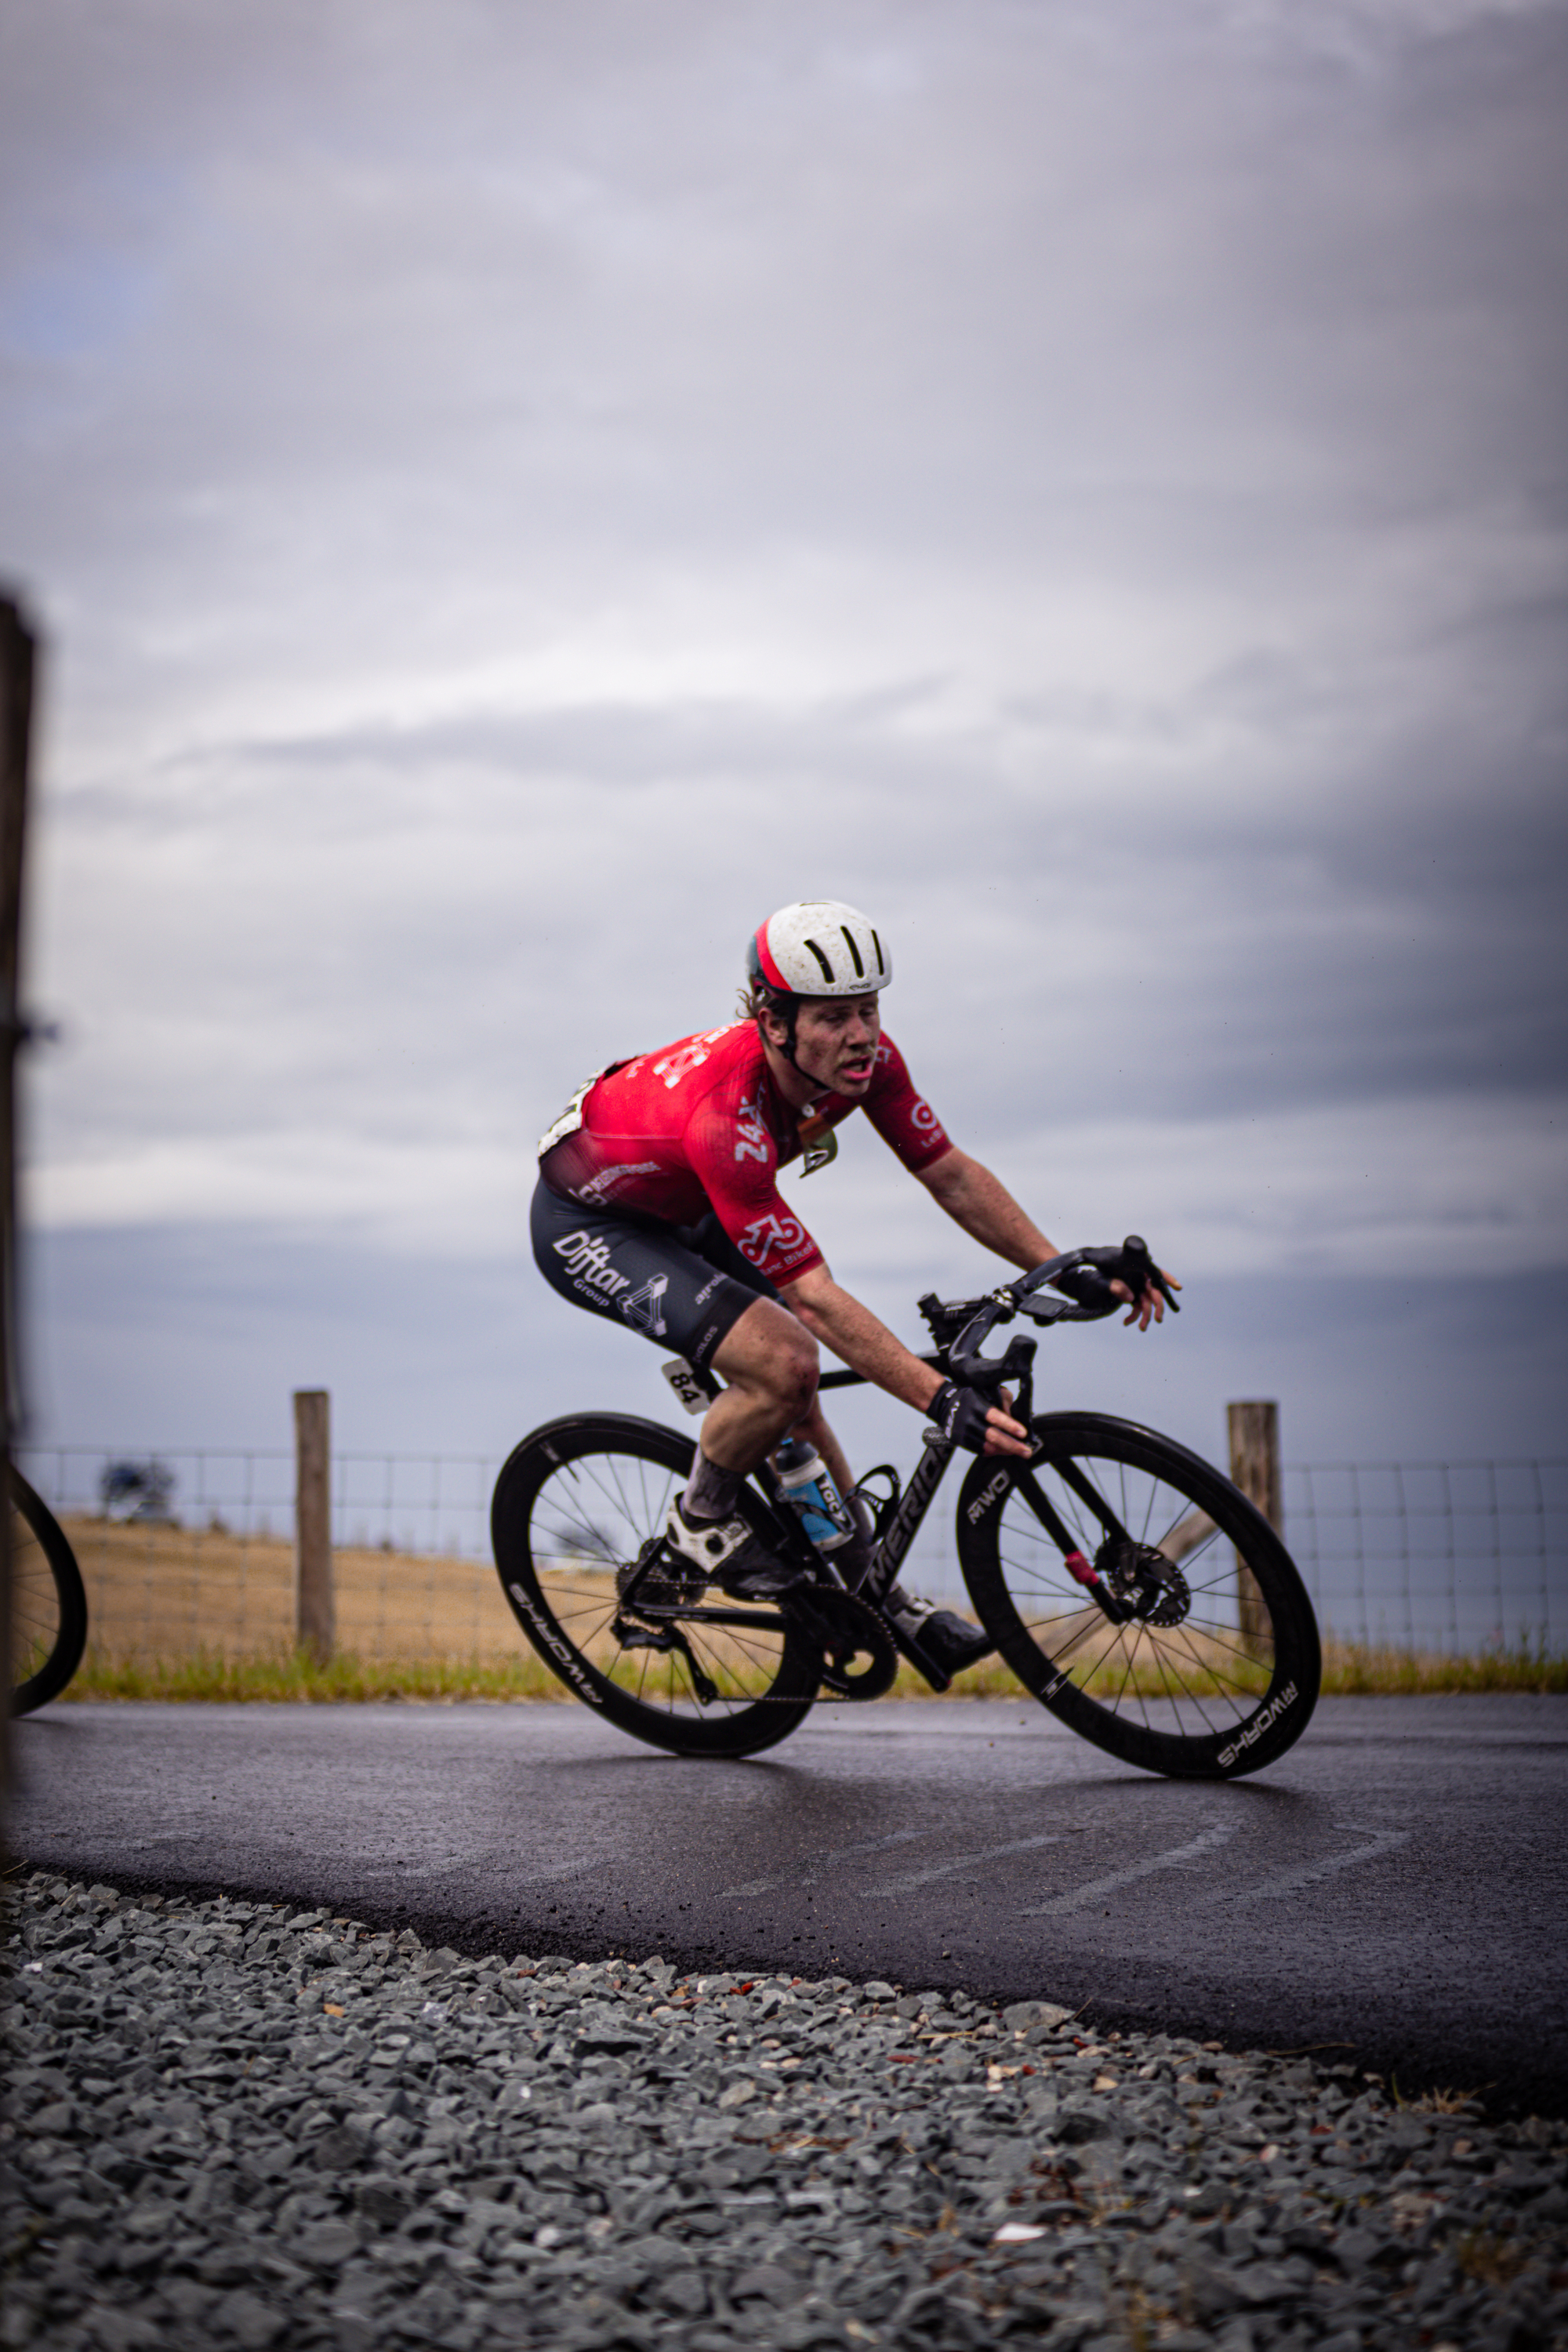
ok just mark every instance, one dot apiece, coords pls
pixel 774 1357
pixel 796 1374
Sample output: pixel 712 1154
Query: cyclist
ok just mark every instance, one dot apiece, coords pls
pixel 657 1205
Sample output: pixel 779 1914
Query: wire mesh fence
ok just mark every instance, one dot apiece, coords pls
pixel 196 1552
pixel 1450 1558
pixel 191 1552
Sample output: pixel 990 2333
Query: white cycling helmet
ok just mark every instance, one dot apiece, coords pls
pixel 818 947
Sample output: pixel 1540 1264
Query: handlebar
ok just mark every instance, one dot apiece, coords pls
pixel 960 1327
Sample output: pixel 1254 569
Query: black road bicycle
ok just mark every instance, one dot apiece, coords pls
pixel 1130 1587
pixel 48 1601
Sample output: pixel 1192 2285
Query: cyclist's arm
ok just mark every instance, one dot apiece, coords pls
pixel 868 1347
pixel 987 1211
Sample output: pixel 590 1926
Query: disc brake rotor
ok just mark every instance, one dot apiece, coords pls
pixel 1151 1587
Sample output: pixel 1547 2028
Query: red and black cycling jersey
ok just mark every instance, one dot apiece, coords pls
pixel 700 1125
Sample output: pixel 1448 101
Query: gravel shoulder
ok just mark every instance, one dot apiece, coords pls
pixel 238 2123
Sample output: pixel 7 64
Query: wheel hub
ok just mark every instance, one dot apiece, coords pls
pixel 1148 1585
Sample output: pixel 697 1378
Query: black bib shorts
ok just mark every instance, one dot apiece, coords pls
pixel 682 1286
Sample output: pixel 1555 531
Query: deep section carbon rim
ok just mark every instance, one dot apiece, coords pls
pixel 1216 1670
pixel 49 1603
pixel 573 1507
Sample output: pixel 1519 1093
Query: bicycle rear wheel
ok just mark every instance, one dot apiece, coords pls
pixel 575 1505
pixel 1216 1669
pixel 48 1602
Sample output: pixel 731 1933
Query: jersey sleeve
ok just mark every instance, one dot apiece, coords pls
pixel 903 1118
pixel 732 1154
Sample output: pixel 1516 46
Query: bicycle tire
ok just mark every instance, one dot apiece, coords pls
pixel 48 1601
pixel 576 1501
pixel 1224 1689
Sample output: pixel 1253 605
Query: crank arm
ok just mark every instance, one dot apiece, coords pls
pixel 910 1645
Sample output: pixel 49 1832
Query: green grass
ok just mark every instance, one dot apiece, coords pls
pixel 296 1675
pixel 1349 1670
pixel 1355 1669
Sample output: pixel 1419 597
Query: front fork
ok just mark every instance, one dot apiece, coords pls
pixel 1081 1570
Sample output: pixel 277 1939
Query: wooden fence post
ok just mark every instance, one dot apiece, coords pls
pixel 315 1628
pixel 16 664
pixel 1254 1432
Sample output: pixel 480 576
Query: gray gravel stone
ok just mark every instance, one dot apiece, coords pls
pixel 232 2125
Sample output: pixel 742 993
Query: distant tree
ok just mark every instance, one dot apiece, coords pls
pixel 136 1490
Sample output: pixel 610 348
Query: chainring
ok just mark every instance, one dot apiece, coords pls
pixel 842 1626
pixel 1150 1587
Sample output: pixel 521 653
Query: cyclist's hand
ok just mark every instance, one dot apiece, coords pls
pixel 1006 1435
pixel 1150 1307
pixel 964 1419
pixel 1102 1274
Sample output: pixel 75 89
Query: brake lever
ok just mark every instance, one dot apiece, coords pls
pixel 971 1370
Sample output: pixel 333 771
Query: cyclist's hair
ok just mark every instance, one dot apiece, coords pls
pixel 758 998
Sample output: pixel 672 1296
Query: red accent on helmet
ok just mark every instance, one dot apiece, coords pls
pixel 770 972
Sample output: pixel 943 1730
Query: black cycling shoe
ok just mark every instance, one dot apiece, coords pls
pixel 949 1640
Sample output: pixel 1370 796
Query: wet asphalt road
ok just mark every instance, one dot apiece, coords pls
pixel 1392 1892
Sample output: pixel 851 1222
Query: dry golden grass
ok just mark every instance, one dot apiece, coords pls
pixel 156 1592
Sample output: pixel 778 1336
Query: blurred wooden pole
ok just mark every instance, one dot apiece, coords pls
pixel 315 1627
pixel 1254 1431
pixel 16 672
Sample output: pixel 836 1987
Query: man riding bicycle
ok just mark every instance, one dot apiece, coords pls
pixel 658 1205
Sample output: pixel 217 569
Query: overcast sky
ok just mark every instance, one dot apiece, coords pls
pixel 514 492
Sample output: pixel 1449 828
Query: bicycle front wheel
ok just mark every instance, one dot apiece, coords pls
pixel 572 1508
pixel 1214 1669
pixel 48 1602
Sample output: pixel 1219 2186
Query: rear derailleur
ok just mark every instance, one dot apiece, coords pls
pixel 657 1585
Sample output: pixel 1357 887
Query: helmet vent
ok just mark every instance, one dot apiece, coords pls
pixel 822 960
pixel 881 959
pixel 854 952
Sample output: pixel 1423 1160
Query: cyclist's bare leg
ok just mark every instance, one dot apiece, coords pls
pixel 766 1373
pixel 768 1362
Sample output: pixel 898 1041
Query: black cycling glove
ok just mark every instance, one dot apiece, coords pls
pixel 960 1414
pixel 1085 1284
pixel 1088 1283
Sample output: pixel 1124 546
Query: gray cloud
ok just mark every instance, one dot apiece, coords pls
pixel 517 492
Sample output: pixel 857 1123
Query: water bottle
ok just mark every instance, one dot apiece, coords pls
pixel 810 1490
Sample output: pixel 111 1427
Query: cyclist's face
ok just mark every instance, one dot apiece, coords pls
pixel 836 1042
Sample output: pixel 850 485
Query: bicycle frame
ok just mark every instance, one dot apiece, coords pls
pixel 960 1331
pixel 1188 1689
